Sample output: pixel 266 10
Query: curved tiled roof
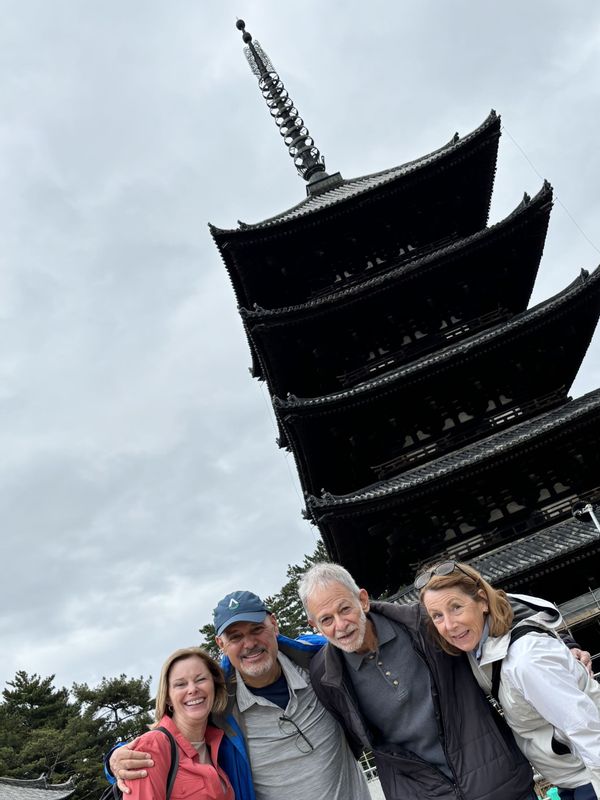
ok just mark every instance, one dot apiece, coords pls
pixel 355 187
pixel 526 319
pixel 522 555
pixel 418 263
pixel 478 453
pixel 538 548
pixel 38 789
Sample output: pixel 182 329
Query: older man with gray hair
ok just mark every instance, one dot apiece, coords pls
pixel 420 711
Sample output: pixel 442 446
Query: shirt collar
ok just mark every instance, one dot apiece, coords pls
pixel 385 633
pixel 294 676
pixel 212 737
pixel 482 641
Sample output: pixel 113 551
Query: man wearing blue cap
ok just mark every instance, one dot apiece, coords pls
pixel 274 721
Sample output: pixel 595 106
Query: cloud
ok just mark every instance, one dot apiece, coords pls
pixel 140 480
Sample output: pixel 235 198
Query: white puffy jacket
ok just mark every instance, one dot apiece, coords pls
pixel 545 693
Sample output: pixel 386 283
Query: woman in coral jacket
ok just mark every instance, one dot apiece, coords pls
pixel 191 686
pixel 549 700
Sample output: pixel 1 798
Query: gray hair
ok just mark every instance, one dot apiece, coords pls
pixel 323 574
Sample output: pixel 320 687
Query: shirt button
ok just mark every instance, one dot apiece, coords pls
pixel 395 683
pixel 380 663
pixel 371 657
pixel 388 673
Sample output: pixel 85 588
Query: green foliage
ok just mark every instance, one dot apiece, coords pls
pixel 208 641
pixel 285 604
pixel 33 701
pixel 122 705
pixel 62 734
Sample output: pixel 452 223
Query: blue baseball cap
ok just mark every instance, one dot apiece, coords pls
pixel 238 607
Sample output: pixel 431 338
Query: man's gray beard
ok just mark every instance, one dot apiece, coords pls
pixel 261 668
pixel 360 633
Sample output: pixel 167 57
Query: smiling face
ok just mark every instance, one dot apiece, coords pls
pixel 340 616
pixel 191 693
pixel 458 618
pixel 252 649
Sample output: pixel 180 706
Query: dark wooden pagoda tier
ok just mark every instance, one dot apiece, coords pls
pixel 413 307
pixel 546 563
pixel 461 393
pixel 472 500
pixel 357 227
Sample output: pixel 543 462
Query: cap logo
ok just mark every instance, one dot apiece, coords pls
pixel 233 604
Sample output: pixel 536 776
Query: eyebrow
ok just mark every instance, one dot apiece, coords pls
pixel 257 625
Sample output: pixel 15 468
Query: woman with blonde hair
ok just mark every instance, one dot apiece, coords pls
pixel 191 687
pixel 548 698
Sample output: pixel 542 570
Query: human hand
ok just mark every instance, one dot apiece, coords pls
pixel 584 657
pixel 126 764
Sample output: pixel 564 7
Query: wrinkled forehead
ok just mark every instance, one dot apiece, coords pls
pixel 331 593
pixel 446 594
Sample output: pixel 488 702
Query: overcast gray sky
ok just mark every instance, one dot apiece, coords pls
pixel 139 475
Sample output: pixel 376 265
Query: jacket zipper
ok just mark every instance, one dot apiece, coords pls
pixel 440 723
pixel 407 753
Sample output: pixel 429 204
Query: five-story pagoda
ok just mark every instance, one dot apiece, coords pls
pixel 425 404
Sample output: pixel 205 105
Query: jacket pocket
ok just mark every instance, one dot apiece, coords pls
pixel 189 785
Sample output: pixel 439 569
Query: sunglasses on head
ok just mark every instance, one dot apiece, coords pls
pixel 445 568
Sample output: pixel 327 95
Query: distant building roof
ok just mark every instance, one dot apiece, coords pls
pixel 37 789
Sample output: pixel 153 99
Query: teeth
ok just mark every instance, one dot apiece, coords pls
pixel 194 702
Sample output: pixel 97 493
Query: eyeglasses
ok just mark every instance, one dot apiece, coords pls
pixel 289 728
pixel 445 568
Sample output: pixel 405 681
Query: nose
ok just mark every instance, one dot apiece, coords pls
pixel 448 622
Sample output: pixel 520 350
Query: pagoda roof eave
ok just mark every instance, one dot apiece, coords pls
pixel 501 445
pixel 584 283
pixel 350 294
pixel 507 562
pixel 347 190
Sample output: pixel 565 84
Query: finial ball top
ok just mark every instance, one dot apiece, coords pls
pixel 241 26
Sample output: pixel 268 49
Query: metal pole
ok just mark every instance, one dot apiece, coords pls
pixel 588 508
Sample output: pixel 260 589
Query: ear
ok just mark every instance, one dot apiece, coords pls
pixel 363 598
pixel 273 619
pixel 310 619
pixel 484 601
pixel 220 643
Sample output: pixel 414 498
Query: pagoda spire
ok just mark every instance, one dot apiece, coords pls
pixel 301 147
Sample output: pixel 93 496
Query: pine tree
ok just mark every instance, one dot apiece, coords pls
pixel 120 705
pixel 33 701
pixel 43 730
pixel 286 604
